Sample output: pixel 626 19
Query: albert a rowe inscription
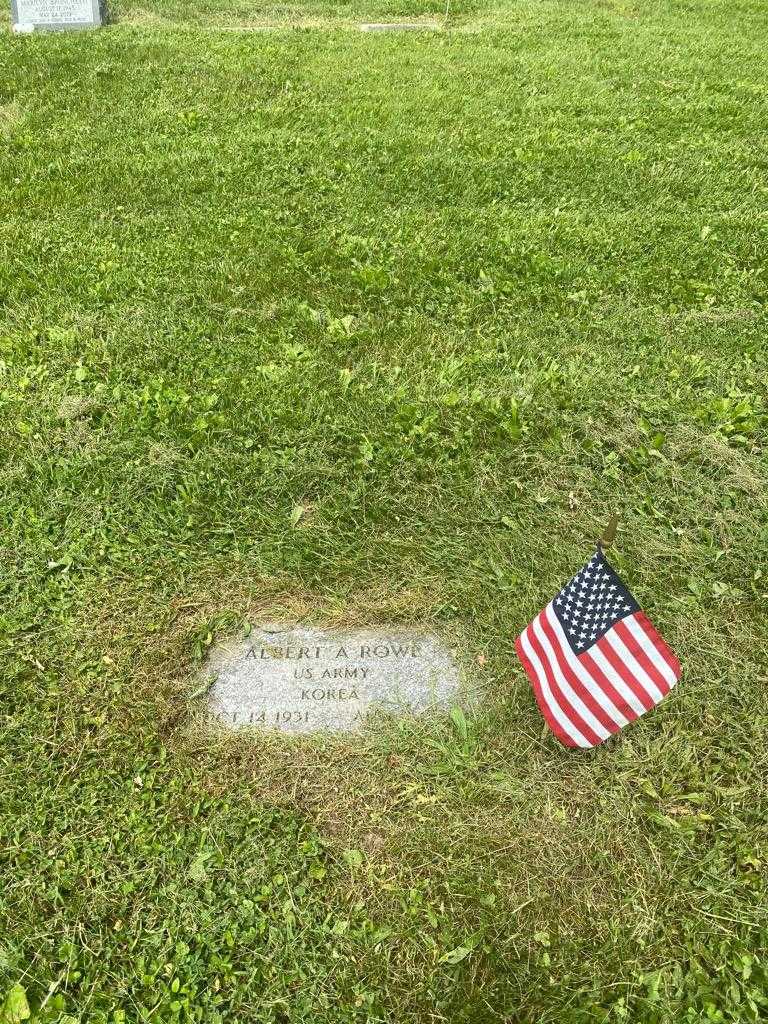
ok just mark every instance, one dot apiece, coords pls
pixel 301 679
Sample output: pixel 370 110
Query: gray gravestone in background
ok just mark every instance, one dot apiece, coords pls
pixel 54 15
pixel 300 679
pixel 400 26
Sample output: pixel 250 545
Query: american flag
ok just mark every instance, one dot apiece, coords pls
pixel 593 658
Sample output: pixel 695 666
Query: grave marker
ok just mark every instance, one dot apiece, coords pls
pixel 400 26
pixel 54 15
pixel 301 679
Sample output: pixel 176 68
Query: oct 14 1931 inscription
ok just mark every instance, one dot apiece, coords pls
pixel 301 679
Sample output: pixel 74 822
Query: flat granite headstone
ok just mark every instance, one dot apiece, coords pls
pixel 54 15
pixel 299 679
pixel 400 26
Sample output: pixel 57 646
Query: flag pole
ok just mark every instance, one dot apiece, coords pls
pixel 609 536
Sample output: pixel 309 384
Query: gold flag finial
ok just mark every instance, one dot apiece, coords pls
pixel 610 532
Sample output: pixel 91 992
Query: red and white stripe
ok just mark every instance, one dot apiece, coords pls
pixel 587 697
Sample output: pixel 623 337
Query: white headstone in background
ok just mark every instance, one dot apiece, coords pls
pixel 54 15
pixel 301 679
pixel 400 26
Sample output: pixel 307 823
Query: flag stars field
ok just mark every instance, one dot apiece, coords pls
pixel 592 602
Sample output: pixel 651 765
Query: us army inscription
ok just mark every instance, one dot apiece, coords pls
pixel 300 679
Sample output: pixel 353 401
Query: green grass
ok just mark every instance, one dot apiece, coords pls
pixel 462 295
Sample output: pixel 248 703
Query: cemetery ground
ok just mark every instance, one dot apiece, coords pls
pixel 355 329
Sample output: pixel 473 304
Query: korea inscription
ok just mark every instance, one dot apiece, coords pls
pixel 52 15
pixel 300 679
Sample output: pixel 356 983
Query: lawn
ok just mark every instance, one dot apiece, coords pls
pixel 461 295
